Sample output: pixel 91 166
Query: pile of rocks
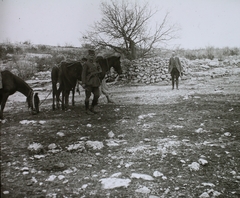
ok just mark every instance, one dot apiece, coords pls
pixel 151 70
pixel 154 70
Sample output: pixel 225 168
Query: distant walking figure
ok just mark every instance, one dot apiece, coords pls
pixel 175 69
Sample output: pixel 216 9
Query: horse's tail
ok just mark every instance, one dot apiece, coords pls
pixel 55 78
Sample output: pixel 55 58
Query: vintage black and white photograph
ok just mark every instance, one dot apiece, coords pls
pixel 120 98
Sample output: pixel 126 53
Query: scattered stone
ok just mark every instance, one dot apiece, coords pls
pixel 208 184
pixel 111 183
pixel 79 146
pixel 25 169
pixel 115 175
pixel 204 195
pixel 61 134
pixel 227 134
pixel 42 122
pixel 175 127
pixel 3 121
pixel 202 161
pixel 199 130
pixel 164 177
pixel 128 164
pixel 84 186
pixel 5 192
pixel 153 196
pixel 35 148
pixel 181 119
pixel 143 190
pixel 237 177
pixel 51 178
pixel 65 181
pixel 27 122
pixel 157 174
pixel 89 125
pixel 183 161
pixel 142 176
pixel 39 156
pixel 111 134
pixel 95 145
pixel 61 177
pixel 194 166
pixel 147 140
pixel 52 146
pixel 111 143
pixel 59 166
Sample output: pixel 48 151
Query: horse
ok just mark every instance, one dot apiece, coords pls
pixel 56 78
pixel 106 64
pixel 68 73
pixel 11 84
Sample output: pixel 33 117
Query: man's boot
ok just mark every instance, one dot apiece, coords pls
pixel 87 108
pixel 92 109
pixel 177 84
pixel 172 84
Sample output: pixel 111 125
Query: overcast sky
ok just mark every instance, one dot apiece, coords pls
pixel 61 22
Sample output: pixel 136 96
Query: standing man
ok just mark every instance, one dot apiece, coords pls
pixel 175 69
pixel 91 81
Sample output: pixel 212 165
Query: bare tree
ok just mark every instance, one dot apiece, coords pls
pixel 124 27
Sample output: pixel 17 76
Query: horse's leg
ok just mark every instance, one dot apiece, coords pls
pixel 63 99
pixel 3 102
pixel 73 94
pixel 67 92
pixel 54 91
pixel 58 92
pixel 104 90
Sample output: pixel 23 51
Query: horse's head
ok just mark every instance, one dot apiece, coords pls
pixel 33 102
pixel 116 64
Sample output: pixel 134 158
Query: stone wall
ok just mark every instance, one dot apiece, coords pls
pixel 154 70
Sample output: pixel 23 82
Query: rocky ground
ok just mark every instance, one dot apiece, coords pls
pixel 152 142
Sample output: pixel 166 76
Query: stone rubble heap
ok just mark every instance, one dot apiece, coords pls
pixel 155 70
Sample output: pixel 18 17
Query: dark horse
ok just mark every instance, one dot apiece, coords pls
pixel 106 64
pixel 12 83
pixel 67 74
pixel 72 71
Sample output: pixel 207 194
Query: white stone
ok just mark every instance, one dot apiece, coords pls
pixel 194 166
pixel 89 125
pixel 42 122
pixel 39 156
pixel 60 177
pixel 61 134
pixel 52 146
pixel 27 122
pixel 51 178
pixel 202 161
pixel 143 190
pixel 111 134
pixel 84 186
pixel 204 195
pixel 208 184
pixel 157 174
pixel 95 145
pixel 227 134
pixel 142 176
pixel 111 183
pixel 115 175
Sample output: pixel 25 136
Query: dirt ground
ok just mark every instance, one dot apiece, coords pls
pixel 152 142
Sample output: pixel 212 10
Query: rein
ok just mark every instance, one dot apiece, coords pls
pixel 45 98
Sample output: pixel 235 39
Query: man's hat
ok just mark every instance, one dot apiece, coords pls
pixel 91 54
